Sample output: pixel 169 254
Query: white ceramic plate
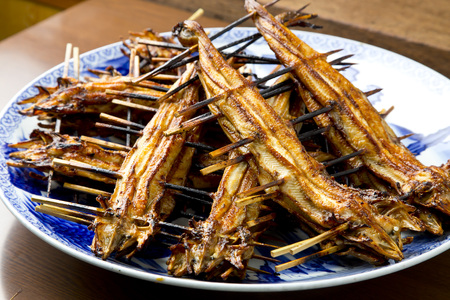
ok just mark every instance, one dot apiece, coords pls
pixel 414 90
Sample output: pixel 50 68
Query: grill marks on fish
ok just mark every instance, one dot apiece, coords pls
pixel 384 154
pixel 277 150
pixel 141 194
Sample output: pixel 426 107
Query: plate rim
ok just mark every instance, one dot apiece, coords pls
pixel 210 285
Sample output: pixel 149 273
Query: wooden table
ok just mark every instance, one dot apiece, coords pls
pixel 32 269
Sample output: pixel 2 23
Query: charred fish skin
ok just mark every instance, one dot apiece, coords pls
pixel 384 154
pixel 140 200
pixel 82 97
pixel 277 150
pixel 44 146
pixel 222 239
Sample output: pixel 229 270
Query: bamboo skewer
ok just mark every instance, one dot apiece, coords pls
pixel 187 52
pixel 229 147
pixel 260 188
pixel 188 125
pixel 68 54
pixel 85 189
pixel 223 164
pixel 302 245
pixel 302 260
pixel 105 144
pixel 197 14
pixel 134 105
pixel 342 158
pixel 85 166
pixel 76 62
pixel 65 214
pixel 131 95
pixel 118 128
pixel 68 205
pixel 313 114
pixel 256 198
pixel 121 121
pixel 260 220
pixel 187 189
pixel 76 67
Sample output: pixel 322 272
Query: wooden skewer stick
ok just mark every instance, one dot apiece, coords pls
pixel 104 143
pixel 118 128
pixel 67 59
pixel 84 189
pixel 223 164
pixel 69 205
pixel 254 243
pixel 69 211
pixel 305 244
pixel 257 256
pixel 85 166
pixel 131 64
pixel 313 114
pixel 260 188
pixel 302 260
pixel 309 134
pixel 188 125
pixel 384 114
pixel 131 95
pixel 406 136
pixel 76 62
pixel 160 59
pixel 250 268
pixel 230 147
pixel 134 105
pixel 160 44
pixel 256 198
pixel 186 189
pixel 192 49
pixel 342 158
pixel 121 121
pixel 166 77
pixel 197 14
pixel 136 69
pixel 346 172
pixel 202 103
pixel 199 146
pixel 262 219
pixel 372 92
pixel 65 214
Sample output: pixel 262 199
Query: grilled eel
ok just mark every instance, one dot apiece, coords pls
pixel 44 146
pixel 308 191
pixel 140 199
pixel 76 97
pixel 355 118
pixel 222 243
pixel 150 55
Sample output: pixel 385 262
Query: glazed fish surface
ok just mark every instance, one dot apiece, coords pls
pixel 355 119
pixel 308 191
pixel 140 199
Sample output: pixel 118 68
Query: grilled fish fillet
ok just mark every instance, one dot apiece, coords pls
pixel 223 236
pixel 140 200
pixel 354 116
pixel 307 189
pixel 223 240
pixel 44 146
pixel 74 97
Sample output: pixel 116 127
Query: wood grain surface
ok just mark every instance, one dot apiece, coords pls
pixel 33 269
pixel 417 29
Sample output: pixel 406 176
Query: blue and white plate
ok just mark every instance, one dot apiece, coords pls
pixel 413 89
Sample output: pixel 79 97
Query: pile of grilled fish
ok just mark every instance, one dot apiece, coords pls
pixel 243 150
